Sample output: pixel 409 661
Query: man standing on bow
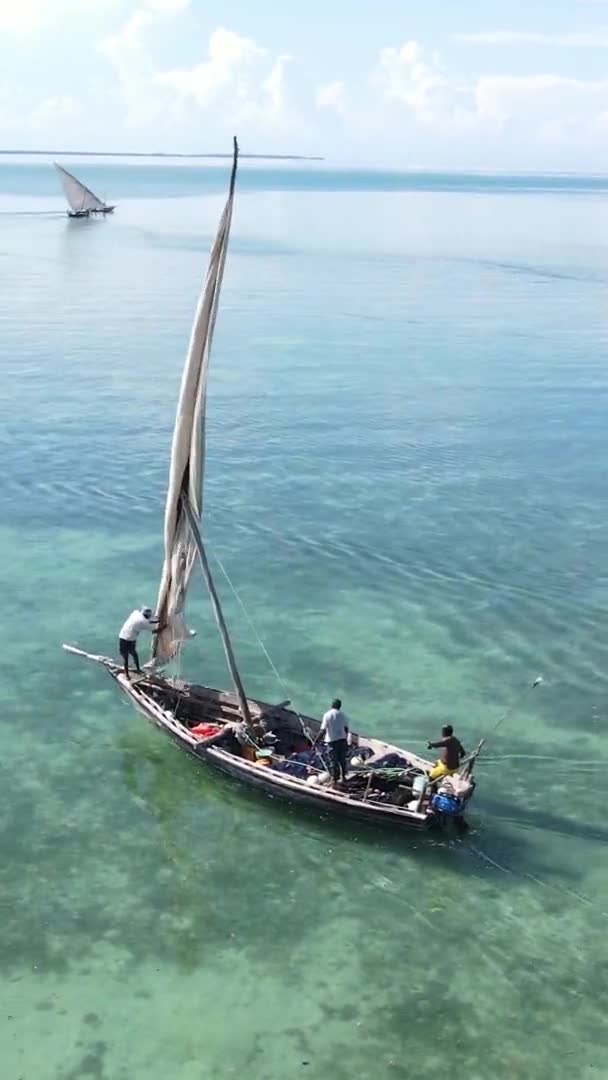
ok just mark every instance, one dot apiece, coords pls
pixel 334 726
pixel 138 620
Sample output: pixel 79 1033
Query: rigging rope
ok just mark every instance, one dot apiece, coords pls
pixel 237 596
pixel 254 630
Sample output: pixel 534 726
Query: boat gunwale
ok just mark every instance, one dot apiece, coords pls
pixel 269 781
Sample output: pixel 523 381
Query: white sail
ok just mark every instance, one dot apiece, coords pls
pixel 80 198
pixel 188 450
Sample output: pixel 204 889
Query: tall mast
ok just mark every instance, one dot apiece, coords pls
pixel 183 510
pixel 217 611
pixel 198 540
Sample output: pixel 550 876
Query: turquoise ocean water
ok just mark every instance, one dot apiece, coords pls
pixel 407 482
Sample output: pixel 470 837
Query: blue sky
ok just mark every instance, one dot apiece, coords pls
pixel 432 83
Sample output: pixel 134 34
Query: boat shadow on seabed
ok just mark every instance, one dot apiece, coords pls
pixel 506 852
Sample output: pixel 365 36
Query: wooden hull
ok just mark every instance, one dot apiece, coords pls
pixel 322 802
pixel 268 782
pixel 164 701
pixel 88 213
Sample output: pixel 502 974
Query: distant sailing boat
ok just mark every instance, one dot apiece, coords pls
pixel 255 742
pixel 81 200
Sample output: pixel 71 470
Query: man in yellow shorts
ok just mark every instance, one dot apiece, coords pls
pixel 452 752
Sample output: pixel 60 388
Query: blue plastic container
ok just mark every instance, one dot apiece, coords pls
pixel 449 805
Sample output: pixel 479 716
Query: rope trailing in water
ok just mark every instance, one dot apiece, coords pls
pixel 254 630
pixel 531 686
pixel 472 758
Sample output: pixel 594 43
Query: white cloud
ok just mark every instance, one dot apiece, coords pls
pixel 127 52
pixel 332 96
pixel 242 80
pixel 131 35
pixel 408 76
pixel 413 77
pixel 493 117
pixel 549 103
pixel 275 86
pixel 55 110
pixel 231 64
pixel 411 97
pixel 167 7
pixel 239 83
pixel 592 39
pixel 22 17
pixel 56 120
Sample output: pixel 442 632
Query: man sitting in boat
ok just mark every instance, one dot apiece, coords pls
pixel 334 726
pixel 138 620
pixel 452 752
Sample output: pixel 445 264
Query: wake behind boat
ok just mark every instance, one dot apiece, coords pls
pixel 272 748
pixel 81 200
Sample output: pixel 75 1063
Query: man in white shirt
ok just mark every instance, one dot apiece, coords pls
pixel 138 620
pixel 334 726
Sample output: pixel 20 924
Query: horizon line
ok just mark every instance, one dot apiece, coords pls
pixel 159 154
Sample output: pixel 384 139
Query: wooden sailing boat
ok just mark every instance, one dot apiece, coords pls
pixel 81 200
pixel 264 746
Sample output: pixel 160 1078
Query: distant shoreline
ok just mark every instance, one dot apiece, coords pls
pixel 158 154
